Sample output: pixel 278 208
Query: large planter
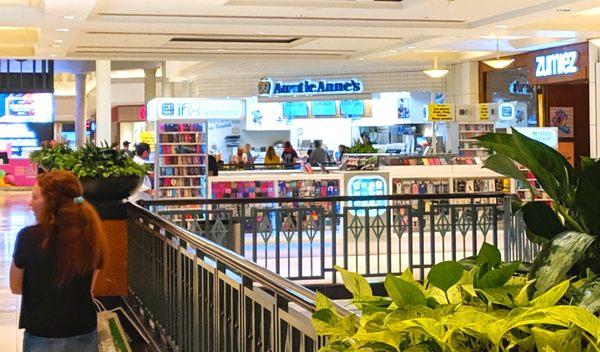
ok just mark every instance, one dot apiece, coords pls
pixel 107 194
pixel 109 189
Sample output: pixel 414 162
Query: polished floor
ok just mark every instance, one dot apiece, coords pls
pixel 14 215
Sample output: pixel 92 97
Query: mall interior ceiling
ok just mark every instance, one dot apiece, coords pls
pixel 254 37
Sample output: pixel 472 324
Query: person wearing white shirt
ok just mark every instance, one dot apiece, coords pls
pixel 142 152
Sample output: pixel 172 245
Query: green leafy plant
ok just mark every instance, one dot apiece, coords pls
pixel 484 308
pixel 359 147
pixel 568 229
pixel 88 161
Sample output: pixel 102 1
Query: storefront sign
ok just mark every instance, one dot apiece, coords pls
pixel 546 135
pixel 484 112
pixel 147 137
pixel 564 63
pixel 267 87
pixel 506 111
pixel 195 108
pixel 440 112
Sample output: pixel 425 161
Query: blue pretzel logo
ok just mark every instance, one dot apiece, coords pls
pixel 167 109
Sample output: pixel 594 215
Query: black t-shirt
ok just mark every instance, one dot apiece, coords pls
pixel 288 157
pixel 213 166
pixel 48 311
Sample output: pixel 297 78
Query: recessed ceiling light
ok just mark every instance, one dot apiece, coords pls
pixel 220 49
pixel 68 17
pixel 52 55
pixel 58 41
pixel 411 47
pixel 55 46
pixel 501 26
pixel 62 29
pixel 454 37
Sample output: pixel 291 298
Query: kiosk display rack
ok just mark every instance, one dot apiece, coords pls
pixel 180 159
pixel 467 144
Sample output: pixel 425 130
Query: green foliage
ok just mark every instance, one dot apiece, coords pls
pixel 359 147
pixel 88 161
pixel 568 230
pixel 419 317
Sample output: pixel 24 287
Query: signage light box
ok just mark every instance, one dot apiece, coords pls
pixel 29 107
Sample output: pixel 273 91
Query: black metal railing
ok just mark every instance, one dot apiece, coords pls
pixel 262 166
pixel 304 238
pixel 203 297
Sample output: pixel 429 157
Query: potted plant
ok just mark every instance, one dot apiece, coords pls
pixel 107 175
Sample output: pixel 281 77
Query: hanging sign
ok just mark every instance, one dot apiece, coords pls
pixel 557 64
pixel 148 137
pixel 484 112
pixel 195 108
pixel 440 112
pixel 267 87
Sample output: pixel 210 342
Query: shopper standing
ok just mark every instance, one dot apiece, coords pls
pixel 318 154
pixel 55 264
pixel 142 154
pixel 271 157
pixel 126 145
pixel 248 158
pixel 289 155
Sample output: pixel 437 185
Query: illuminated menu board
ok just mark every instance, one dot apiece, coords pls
pixel 352 107
pixel 295 108
pixel 323 108
pixel 30 107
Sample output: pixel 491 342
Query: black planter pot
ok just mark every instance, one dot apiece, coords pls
pixel 107 194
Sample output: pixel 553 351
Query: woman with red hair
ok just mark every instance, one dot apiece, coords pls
pixel 55 264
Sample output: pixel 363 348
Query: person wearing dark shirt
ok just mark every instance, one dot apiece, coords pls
pixel 213 167
pixel 55 264
pixel 289 156
pixel 318 156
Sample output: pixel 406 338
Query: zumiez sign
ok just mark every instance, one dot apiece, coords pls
pixel 267 87
pixel 564 63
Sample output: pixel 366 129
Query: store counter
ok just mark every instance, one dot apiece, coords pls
pixel 23 172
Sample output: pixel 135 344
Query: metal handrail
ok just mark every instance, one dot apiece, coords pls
pixel 188 201
pixel 270 280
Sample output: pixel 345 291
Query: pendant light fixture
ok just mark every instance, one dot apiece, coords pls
pixel 498 63
pixel 435 72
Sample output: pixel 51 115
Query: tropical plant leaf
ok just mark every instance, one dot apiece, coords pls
pixel 587 162
pixel 355 283
pixel 503 165
pixel 497 277
pixel 561 340
pixel 541 220
pixel 552 296
pixel 556 259
pixel 551 169
pixel 403 292
pixel 587 196
pixel 588 295
pixel 445 275
pixel 488 254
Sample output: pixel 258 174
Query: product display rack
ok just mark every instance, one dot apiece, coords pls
pixel 180 159
pixel 467 144
pixel 525 193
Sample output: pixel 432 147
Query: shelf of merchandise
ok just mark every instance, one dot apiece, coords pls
pixel 467 145
pixel 180 160
pixel 525 193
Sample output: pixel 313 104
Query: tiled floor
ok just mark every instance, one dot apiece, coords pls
pixel 14 215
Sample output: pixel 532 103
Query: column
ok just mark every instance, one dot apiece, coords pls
pixel 594 81
pixel 149 84
pixel 80 109
pixel 103 102
pixel 167 86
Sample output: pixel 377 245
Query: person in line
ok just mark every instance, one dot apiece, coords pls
pixel 340 152
pixel 142 154
pixel 289 155
pixel 55 265
pixel 213 166
pixel 238 158
pixel 271 157
pixel 318 154
pixel 126 145
pixel 248 158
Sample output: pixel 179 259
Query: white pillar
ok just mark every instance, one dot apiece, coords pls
pixel 80 109
pixel 463 83
pixel 149 84
pixel 103 102
pixel 166 86
pixel 594 82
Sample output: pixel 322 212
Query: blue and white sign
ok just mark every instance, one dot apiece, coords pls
pixel 506 111
pixel 546 135
pixel 195 108
pixel 564 63
pixel 267 87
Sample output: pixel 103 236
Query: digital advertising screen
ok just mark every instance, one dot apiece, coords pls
pixel 25 137
pixel 352 107
pixel 26 107
pixel 295 109
pixel 323 108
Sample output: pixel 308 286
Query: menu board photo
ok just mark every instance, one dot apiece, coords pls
pixel 352 108
pixel 323 108
pixel 295 109
pixel 23 108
